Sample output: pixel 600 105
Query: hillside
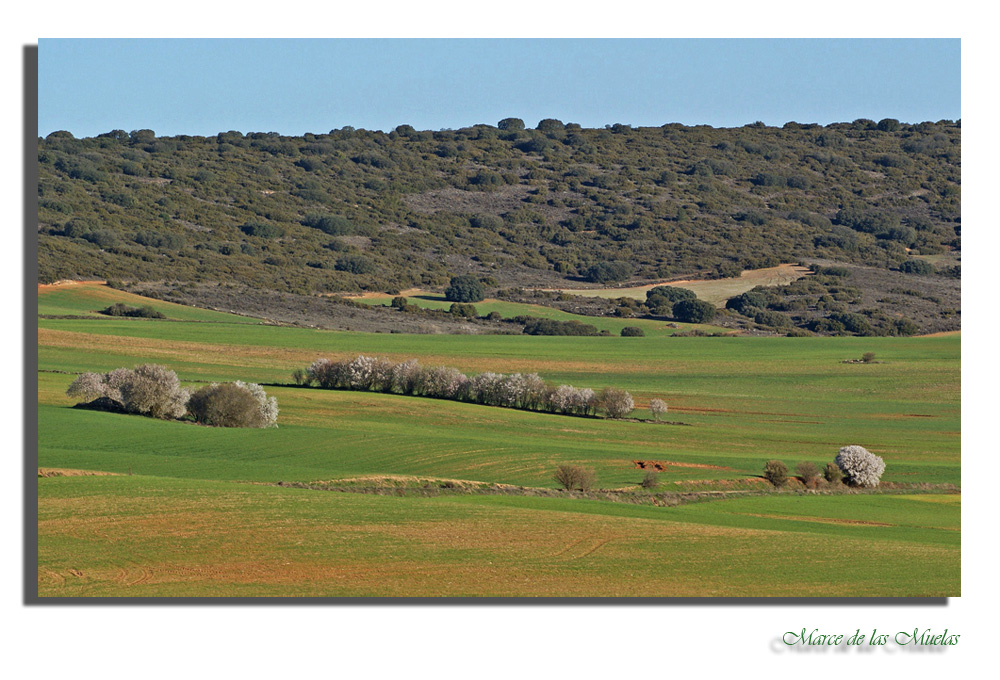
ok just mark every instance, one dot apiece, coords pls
pixel 357 210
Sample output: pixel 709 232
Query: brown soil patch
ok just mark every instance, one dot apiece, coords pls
pixel 661 465
pixel 940 334
pixel 63 472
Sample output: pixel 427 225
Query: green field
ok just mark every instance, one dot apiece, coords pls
pixel 185 512
pixel 509 310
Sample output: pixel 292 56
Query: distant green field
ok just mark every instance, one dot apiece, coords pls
pixel 741 401
pixel 509 310
pixel 88 299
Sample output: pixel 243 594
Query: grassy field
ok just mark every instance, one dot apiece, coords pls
pixel 510 310
pixel 716 291
pixel 186 512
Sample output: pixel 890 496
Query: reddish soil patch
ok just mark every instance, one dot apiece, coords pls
pixel 940 334
pixel 661 465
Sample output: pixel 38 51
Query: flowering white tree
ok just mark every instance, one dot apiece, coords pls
pixel 149 389
pixel 319 372
pixel 402 376
pixel 87 387
pixel 657 407
pixel 268 405
pixel 860 466
pixel 617 403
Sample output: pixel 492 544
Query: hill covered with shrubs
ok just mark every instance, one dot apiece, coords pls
pixel 354 210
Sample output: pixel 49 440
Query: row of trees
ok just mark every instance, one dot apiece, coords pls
pixel 526 391
pixel 155 391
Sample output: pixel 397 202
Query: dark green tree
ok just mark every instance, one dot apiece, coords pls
pixel 465 288
pixel 694 311
pixel 511 124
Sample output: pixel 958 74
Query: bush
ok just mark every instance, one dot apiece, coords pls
pixel 807 471
pixel 149 390
pixel 633 332
pixel 832 473
pixel 575 477
pixel 650 480
pixel 235 404
pixel 262 230
pixel 916 267
pixel 617 403
pixel 465 288
pixel 121 309
pixel 464 310
pixel 860 467
pixel 868 357
pixel 335 225
pixel 661 299
pixel 152 390
pixel 355 264
pixel 694 311
pixel 657 407
pixel 776 472
pixel 608 272
pixel 553 327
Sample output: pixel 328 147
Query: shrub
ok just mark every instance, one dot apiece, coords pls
pixel 152 390
pixel 262 230
pixel 464 310
pixel 807 471
pixel 916 267
pixel 776 472
pixel 694 311
pixel 465 288
pixel 553 327
pixel 633 332
pixel 355 264
pixel 650 480
pixel 87 387
pixel 575 477
pixel 608 272
pixel 235 404
pixel 335 225
pixel 868 357
pixel 832 473
pixel 121 309
pixel 860 467
pixel 617 403
pixel 149 389
pixel 657 407
pixel 300 377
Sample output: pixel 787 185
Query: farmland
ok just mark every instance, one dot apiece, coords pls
pixel 196 511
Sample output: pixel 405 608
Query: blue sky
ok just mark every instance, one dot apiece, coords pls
pixel 202 87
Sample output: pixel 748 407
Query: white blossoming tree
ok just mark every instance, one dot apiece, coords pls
pixel 149 389
pixel 657 407
pixel 860 466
